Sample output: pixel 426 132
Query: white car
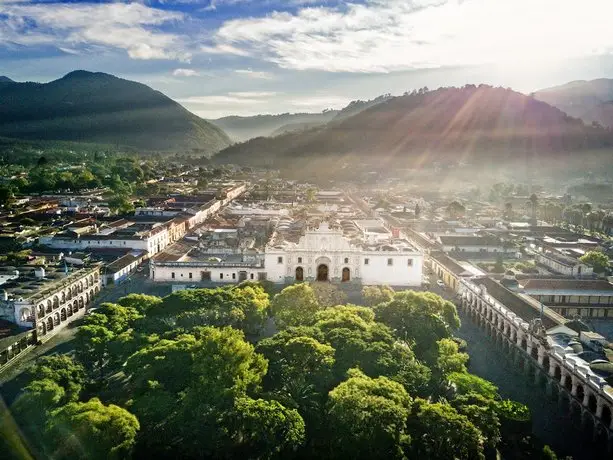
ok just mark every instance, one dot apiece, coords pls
pixel 440 283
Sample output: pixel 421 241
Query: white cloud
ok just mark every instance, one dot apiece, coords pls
pixel 249 94
pixel 130 27
pixel 318 103
pixel 185 73
pixel 239 102
pixel 390 35
pixel 220 99
pixel 223 49
pixel 255 74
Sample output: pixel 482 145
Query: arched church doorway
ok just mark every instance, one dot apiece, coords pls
pixel 322 273
pixel 346 275
pixel 299 274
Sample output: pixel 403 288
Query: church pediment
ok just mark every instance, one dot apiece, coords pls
pixel 324 238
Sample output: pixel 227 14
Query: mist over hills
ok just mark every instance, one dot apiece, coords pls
pixel 101 108
pixel 244 128
pixel 464 124
pixel 241 129
pixel 592 100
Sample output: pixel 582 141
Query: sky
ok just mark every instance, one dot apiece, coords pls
pixel 245 57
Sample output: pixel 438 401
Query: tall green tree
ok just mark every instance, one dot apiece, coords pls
pixel 64 371
pixel 439 432
pixel 295 305
pixel 261 429
pixel 91 430
pixel 374 295
pixel 368 418
pixel 92 344
pixel 140 302
pixel 32 407
pixel 421 318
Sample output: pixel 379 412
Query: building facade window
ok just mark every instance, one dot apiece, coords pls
pixel 221 276
pixel 390 262
pixel 346 260
pixel 191 275
pixel 279 260
pixel 366 261
pixel 299 260
pixel 233 276
pixel 251 276
pixel 410 262
pixel 172 275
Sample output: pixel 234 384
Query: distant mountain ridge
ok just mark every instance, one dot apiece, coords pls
pixel 241 129
pixel 245 128
pixel 589 100
pixel 4 79
pixel 101 108
pixel 465 124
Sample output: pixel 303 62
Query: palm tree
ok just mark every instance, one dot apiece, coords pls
pixel 533 204
pixel 607 223
pixel 508 210
pixel 455 209
pixel 585 209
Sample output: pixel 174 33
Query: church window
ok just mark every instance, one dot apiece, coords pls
pixel 299 260
pixel 279 260
pixel 346 260
pixel 366 261
pixel 410 262
pixel 390 262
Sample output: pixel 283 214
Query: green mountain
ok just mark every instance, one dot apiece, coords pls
pixel 466 124
pixel 100 108
pixel 592 100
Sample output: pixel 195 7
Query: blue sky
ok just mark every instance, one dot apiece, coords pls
pixel 221 57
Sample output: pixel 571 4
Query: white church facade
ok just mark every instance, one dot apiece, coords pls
pixel 325 254
pixel 322 253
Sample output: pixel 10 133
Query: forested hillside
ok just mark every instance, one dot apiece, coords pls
pixel 100 108
pixel 463 124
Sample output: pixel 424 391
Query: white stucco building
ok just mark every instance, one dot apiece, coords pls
pixel 321 253
pixel 47 299
pixel 325 254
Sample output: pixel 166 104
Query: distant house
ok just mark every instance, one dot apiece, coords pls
pixel 571 297
pixel 472 244
pixel 563 264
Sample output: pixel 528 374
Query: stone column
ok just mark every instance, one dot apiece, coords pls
pixel 599 406
pixel 586 399
pixel 541 356
pixel 573 391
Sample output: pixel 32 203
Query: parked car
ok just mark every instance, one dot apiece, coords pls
pixel 440 283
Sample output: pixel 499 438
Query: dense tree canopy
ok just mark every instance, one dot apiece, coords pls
pixel 193 375
pixel 420 318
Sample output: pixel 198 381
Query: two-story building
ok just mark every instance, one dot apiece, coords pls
pixel 572 297
pixel 48 298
